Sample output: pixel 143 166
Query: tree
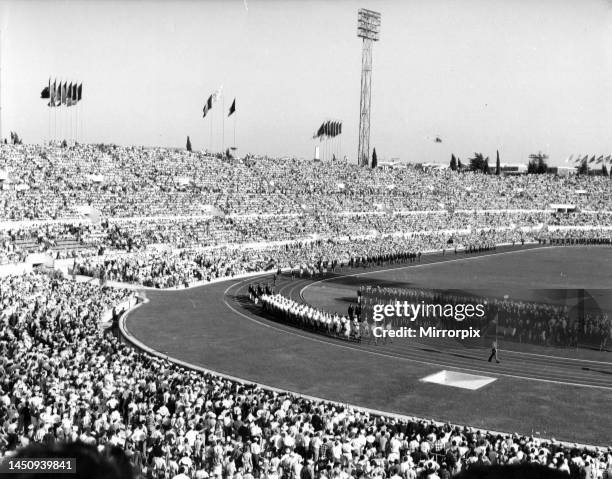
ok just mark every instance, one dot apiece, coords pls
pixel 374 159
pixel 459 164
pixel 537 163
pixel 497 165
pixel 15 140
pixel 477 162
pixel 188 147
pixel 583 169
pixel 542 166
pixel 453 163
pixel 485 167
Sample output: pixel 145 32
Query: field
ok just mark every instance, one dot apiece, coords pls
pixel 547 391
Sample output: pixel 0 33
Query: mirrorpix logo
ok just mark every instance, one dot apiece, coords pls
pixel 405 311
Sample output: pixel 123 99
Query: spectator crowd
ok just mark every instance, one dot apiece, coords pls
pixel 168 218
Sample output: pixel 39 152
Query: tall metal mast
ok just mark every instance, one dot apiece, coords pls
pixel 368 28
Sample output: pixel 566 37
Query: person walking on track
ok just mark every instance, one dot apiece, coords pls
pixel 494 352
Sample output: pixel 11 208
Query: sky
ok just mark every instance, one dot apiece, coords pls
pixel 518 76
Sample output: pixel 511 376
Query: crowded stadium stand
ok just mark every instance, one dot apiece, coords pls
pixel 114 220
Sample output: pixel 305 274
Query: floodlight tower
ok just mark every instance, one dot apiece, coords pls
pixel 368 28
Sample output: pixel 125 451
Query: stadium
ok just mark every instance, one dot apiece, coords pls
pixel 184 313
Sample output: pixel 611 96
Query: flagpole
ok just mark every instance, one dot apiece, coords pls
pixel 61 119
pixel 62 116
pixel 234 129
pixel 324 159
pixel 340 142
pixel 335 143
pixel 1 140
pixel 1 86
pixel 72 120
pixel 222 123
pixel 324 154
pixel 82 121
pixel 49 114
pixel 70 114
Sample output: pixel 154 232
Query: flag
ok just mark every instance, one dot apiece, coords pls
pixel 58 94
pixel 52 94
pixel 46 92
pixel 80 92
pixel 64 92
pixel 319 133
pixel 340 128
pixel 217 94
pixel 74 94
pixel 592 159
pixel 69 95
pixel 232 109
pixel 207 106
pixel 600 159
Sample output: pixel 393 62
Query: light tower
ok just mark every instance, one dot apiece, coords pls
pixel 368 28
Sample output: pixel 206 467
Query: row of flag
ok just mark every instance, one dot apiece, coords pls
pixel 592 159
pixel 212 99
pixel 329 129
pixel 66 94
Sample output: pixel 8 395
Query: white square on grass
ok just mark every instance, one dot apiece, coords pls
pixel 458 380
